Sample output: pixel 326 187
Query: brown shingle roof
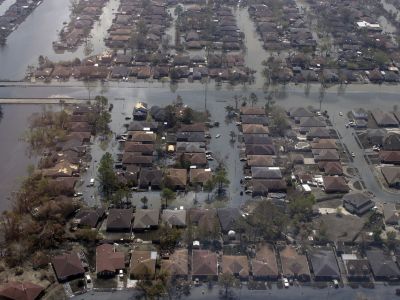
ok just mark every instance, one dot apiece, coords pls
pixel 107 260
pixel 204 263
pixel 119 219
pixel 177 264
pixel 146 149
pixel 176 177
pixel 260 161
pixel 196 127
pixel 264 264
pixel 293 263
pixel 143 264
pixel 200 175
pixel 146 218
pixel 252 111
pixel 254 129
pixel 20 291
pixel 235 265
pixel 335 184
pixel 174 217
pixel 67 265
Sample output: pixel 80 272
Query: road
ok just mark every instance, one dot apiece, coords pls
pixel 359 162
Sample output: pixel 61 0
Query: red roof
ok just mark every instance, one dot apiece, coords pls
pixel 107 260
pixel 20 291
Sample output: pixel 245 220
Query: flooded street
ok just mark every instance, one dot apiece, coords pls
pixel 5 5
pixel 41 29
pixel 14 159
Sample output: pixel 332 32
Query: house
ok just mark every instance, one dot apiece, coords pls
pixel 360 114
pixel 299 112
pixel 357 269
pixel 391 142
pixel 119 220
pixel 227 218
pixel 264 265
pixel 176 178
pixel 195 127
pixel 254 129
pixel 108 261
pixel 67 266
pixel 357 203
pixel 89 218
pixel 236 265
pixel 174 218
pixel 250 139
pixel 309 122
pixel 64 185
pixel 335 184
pixel 204 264
pixel 384 119
pixel 259 149
pixel 200 176
pixel 143 264
pixel 194 159
pixel 331 167
pixel 382 265
pixel 143 126
pixel 140 149
pixel 294 264
pixel 252 110
pixel 205 219
pixel 150 178
pixel 324 264
pixel 376 136
pixel 318 132
pixel 146 219
pixel 260 161
pixel 144 137
pixel 132 158
pixel 261 187
pixel 390 157
pixel 177 264
pixel 20 291
pixel 190 147
pixel 325 155
pixel 266 173
pixel 254 119
pixel 391 214
pixel 392 176
pixel 323 144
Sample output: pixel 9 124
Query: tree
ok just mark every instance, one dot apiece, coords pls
pixel 267 220
pixel 187 115
pixel 106 175
pixel 167 194
pixel 232 134
pixel 144 201
pixel 209 186
pixel 300 208
pixel 226 281
pixel 391 241
pixel 221 179
pixel 253 99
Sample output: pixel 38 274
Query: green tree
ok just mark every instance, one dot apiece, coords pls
pixel 168 195
pixel 144 201
pixel 253 99
pixel 221 179
pixel 267 220
pixel 226 281
pixel 106 175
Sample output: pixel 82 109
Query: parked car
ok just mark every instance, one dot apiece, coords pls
pixel 285 282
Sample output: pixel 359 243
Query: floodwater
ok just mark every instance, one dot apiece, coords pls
pixel 389 7
pixel 35 36
pixel 14 159
pixel 5 5
pixel 380 292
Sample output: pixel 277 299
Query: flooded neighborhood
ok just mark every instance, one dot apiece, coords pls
pixel 208 149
